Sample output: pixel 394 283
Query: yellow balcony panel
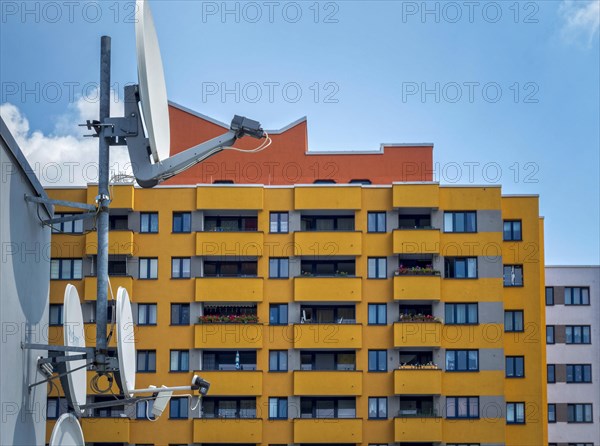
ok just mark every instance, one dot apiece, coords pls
pixel 310 289
pixel 227 430
pixel 90 286
pixel 57 289
pixel 229 197
pixel 67 246
pixel 229 289
pixel 328 430
pixel 228 336
pixel 489 382
pixel 104 430
pixel 477 290
pixel 417 287
pixel 327 383
pixel 328 197
pixel 418 429
pixel 122 196
pixel 425 195
pixel 484 430
pixel 416 241
pixel 418 382
pixel 417 334
pixel 488 244
pixel 233 382
pixel 312 336
pixel 216 243
pixel 328 243
pixel 119 242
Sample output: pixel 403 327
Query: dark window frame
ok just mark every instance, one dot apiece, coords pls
pixel 181 224
pixel 511 283
pixel 277 354
pixel 376 274
pixel 148 272
pixel 465 214
pixel 377 399
pixel 281 266
pixel 373 217
pixel 511 231
pixel 282 408
pixel 513 362
pixel 145 308
pixel 583 330
pixel 374 368
pixel 569 296
pixel 457 368
pixel 182 314
pixel 180 356
pixel 515 406
pixel 278 221
pixel 450 264
pixel 61 312
pixel 551 373
pixel 276 310
pixel 61 266
pixel 377 319
pixel 177 414
pixel 549 296
pixel 453 307
pixel 181 261
pixel 573 370
pixel 469 416
pixel 147 354
pixel 572 410
pixel 152 218
pixel 513 316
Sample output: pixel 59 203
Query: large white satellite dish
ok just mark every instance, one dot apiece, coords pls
pixel 153 91
pixel 125 342
pixel 67 432
pixel 74 336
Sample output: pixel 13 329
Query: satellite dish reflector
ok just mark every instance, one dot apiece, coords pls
pixel 153 92
pixel 67 432
pixel 125 342
pixel 74 336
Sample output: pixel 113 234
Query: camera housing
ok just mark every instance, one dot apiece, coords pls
pixel 200 385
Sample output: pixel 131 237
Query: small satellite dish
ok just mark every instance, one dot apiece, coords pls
pixel 125 342
pixel 153 91
pixel 67 432
pixel 74 336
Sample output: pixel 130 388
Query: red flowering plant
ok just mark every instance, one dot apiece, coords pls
pixel 229 319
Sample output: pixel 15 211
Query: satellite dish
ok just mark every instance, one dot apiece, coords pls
pixel 153 92
pixel 67 432
pixel 74 336
pixel 125 342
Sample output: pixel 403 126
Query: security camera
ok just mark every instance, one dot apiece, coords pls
pixel 200 384
pixel 244 126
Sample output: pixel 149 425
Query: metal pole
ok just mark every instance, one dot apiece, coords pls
pixel 103 203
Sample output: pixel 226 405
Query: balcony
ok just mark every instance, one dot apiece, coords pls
pixel 229 197
pixel 330 289
pixel 122 196
pixel 225 243
pixel 219 336
pixel 418 429
pixel 327 430
pixel 227 430
pixel 327 383
pixel 90 286
pixel 327 197
pixel 328 243
pixel 416 195
pixel 119 243
pixel 316 336
pixel 417 334
pixel 416 241
pixel 229 289
pixel 233 383
pixel 417 287
pixel 417 381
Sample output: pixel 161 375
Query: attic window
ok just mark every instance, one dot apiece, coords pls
pixel 223 182
pixel 324 182
pixel 360 181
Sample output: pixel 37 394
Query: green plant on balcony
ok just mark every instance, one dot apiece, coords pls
pixel 418 317
pixel 417 271
pixel 228 319
pixel 427 366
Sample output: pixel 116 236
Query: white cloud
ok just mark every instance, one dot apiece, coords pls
pixel 581 20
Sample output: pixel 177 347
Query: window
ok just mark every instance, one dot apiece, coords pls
pixel 578 334
pixel 279 222
pixel 118 222
pixel 549 334
pixel 461 267
pixel 279 268
pixel 325 407
pixel 179 408
pixel 278 361
pixel 377 360
pixel 65 269
pixel 149 222
pixel 579 413
pixel 278 409
pixel 462 407
pixel 182 222
pixel 146 360
pixel 579 373
pixel 180 314
pixel 143 410
pixel 464 314
pixel 230 269
pixel 148 268
pixel 551 413
pixel 327 222
pixel 328 360
pixel 549 295
pixel 515 413
pixel 146 314
pixel 378 408
pixel 513 275
pixel 231 407
pixel 414 221
pixel 460 222
pixel 55 407
pixel 577 296
pixel 328 268
pixel 56 314
pixel 278 314
pixel 377 314
pixel 462 360
pixel 515 367
pixel 376 222
pixel 513 321
pixel 377 268
pixel 117 265
pixel 180 360
pixel 180 267
pixel 512 231
pixel 551 372
pixel 67 227
pixel 248 223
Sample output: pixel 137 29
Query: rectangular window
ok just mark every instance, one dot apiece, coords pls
pixel 377 268
pixel 56 314
pixel 278 408
pixel 551 372
pixel 279 268
pixel 515 367
pixel 178 409
pixel 513 275
pixel 376 222
pixel 378 408
pixel 414 221
pixel 460 267
pixel 549 334
pixel 578 334
pixel 327 222
pixel 67 227
pixel 462 360
pixel 55 407
pixel 461 314
pixel 230 268
pixel 118 222
pixel 377 360
pixel 512 231
pixel 579 413
pixel 180 314
pixel 462 407
pixel 279 222
pixel 551 413
pixel 149 222
pixel 513 321
pixel 278 361
pixel 460 222
pixel 278 314
pixel 182 222
pixel 148 268
pixel 515 413
pixel 377 314
pixel 65 269
pixel 579 373
pixel 146 314
pixel 549 295
pixel 577 296
pixel 146 361
pixel 180 267
pixel 143 410
pixel 180 361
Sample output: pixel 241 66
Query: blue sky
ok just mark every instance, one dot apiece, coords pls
pixel 508 88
